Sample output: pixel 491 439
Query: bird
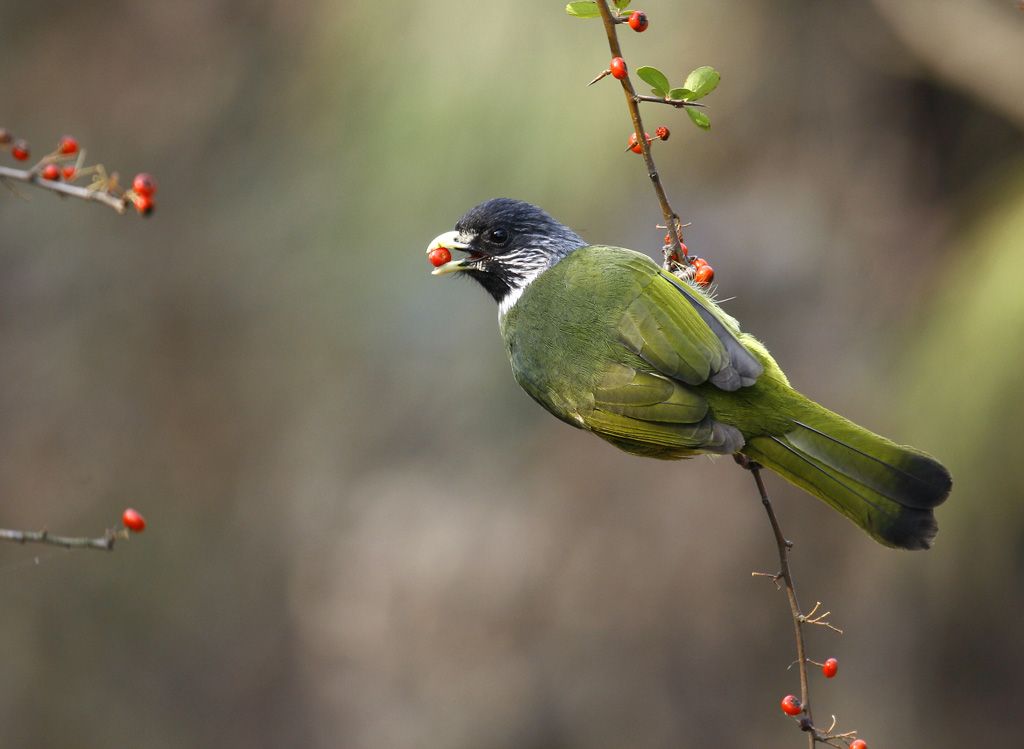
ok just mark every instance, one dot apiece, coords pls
pixel 609 342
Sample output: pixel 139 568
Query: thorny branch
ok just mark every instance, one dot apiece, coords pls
pixel 799 619
pixel 671 263
pixel 104 543
pixel 677 103
pixel 633 102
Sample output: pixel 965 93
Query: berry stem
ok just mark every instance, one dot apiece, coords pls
pixel 632 102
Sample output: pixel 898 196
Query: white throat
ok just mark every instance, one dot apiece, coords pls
pixel 513 295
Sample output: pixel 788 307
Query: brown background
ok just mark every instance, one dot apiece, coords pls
pixel 361 532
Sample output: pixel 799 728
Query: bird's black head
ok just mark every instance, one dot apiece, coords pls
pixel 508 244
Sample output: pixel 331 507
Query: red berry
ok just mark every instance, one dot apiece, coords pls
pixel 144 184
pixel 51 172
pixel 661 133
pixel 618 68
pixel 830 668
pixel 439 256
pixel 634 144
pixel 791 705
pixel 859 744
pixel 698 262
pixel 67 145
pixel 69 173
pixel 638 21
pixel 19 149
pixel 133 521
pixel 5 135
pixel 684 248
pixel 144 204
pixel 704 275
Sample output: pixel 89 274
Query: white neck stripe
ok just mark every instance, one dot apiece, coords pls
pixel 513 295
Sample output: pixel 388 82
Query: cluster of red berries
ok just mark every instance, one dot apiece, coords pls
pixel 67 146
pixel 143 187
pixel 133 521
pixel 59 166
pixel 661 133
pixel 703 274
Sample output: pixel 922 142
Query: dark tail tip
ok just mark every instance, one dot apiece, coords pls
pixel 912 529
pixel 926 482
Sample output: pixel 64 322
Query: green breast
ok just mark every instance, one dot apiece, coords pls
pixel 564 328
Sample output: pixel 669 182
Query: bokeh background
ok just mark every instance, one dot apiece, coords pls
pixel 362 533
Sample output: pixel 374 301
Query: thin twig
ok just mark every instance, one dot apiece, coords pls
pixel 104 543
pixel 672 254
pixel 786 576
pixel 117 202
pixel 678 103
pixel 632 101
pixel 799 619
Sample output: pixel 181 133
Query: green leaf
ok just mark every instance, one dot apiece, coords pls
pixel 622 4
pixel 655 78
pixel 702 82
pixel 583 9
pixel 699 118
pixel 681 94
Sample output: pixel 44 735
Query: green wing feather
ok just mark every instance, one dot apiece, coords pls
pixel 645 397
pixel 649 414
pixel 680 333
pixel 642 395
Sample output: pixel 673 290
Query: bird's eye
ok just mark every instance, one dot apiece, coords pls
pixel 497 237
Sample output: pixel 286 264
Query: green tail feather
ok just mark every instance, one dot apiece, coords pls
pixel 887 489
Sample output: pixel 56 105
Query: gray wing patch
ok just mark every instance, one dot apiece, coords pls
pixel 742 369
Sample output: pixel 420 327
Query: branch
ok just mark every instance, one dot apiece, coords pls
pixel 677 261
pixel 799 619
pixel 677 103
pixel 132 520
pixel 106 542
pixel 119 203
pixel 787 578
pixel 632 102
pixel 58 170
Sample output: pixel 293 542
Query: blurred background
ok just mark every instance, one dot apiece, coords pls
pixel 361 532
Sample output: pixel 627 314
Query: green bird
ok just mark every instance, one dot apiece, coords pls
pixel 609 342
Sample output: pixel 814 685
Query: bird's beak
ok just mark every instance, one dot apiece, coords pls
pixel 450 240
